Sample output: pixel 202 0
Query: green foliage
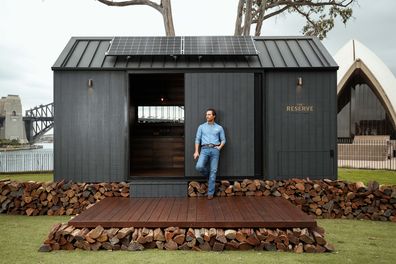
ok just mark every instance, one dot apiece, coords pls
pixel 320 19
pixel 320 15
pixel 355 241
pixel 7 142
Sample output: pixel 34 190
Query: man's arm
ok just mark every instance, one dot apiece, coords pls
pixel 197 142
pixel 196 152
pixel 222 138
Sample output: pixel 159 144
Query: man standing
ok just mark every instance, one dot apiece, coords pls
pixel 210 137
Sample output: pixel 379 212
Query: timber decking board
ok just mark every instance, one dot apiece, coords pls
pixel 221 212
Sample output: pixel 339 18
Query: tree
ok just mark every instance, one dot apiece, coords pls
pixel 164 7
pixel 319 14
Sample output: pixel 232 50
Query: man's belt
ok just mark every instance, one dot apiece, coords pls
pixel 210 145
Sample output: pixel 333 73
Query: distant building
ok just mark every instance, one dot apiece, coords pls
pixel 11 119
pixel 366 91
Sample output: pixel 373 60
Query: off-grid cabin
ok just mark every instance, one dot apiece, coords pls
pixel 127 109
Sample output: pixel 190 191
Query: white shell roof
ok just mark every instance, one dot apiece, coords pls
pixel 352 52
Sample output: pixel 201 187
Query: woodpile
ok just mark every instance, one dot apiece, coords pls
pixel 54 198
pixel 66 237
pixel 321 198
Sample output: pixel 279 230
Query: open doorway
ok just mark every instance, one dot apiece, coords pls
pixel 156 125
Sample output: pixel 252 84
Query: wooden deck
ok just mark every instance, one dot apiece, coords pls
pixel 221 212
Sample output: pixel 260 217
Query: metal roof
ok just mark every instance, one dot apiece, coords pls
pixel 88 53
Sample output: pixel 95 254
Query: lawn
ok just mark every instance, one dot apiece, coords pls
pixel 37 177
pixel 356 242
pixel 352 175
pixel 381 176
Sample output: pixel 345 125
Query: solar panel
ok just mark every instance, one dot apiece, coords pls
pixel 144 46
pixel 219 45
pixel 212 45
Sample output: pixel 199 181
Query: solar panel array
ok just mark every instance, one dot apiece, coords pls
pixel 219 45
pixel 212 45
pixel 145 46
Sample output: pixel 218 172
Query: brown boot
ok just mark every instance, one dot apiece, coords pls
pixel 210 197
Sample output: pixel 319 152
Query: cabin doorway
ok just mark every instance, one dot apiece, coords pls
pixel 156 125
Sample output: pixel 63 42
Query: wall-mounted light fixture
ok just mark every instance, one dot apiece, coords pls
pixel 299 81
pixel 90 83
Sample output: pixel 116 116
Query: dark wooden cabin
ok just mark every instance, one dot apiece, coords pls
pixel 127 109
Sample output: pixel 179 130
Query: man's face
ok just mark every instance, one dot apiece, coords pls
pixel 209 116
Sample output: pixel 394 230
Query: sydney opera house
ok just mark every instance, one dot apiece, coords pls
pixel 366 90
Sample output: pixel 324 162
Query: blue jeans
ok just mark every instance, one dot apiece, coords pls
pixel 207 165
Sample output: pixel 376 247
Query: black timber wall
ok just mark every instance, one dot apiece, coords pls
pixel 232 95
pixel 301 144
pixel 90 134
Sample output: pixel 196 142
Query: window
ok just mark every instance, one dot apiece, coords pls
pixel 13 113
pixel 161 114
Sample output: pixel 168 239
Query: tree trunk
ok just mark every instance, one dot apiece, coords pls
pixel 238 22
pixel 260 19
pixel 248 18
pixel 168 19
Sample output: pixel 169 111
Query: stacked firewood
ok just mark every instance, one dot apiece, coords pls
pixel 54 198
pixel 322 198
pixel 67 237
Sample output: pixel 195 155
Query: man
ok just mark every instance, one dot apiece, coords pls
pixel 210 137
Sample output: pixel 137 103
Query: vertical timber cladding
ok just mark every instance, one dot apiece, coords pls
pixel 301 125
pixel 232 95
pixel 90 126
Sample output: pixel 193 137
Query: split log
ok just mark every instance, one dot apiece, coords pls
pixel 158 235
pixel 179 239
pixel 230 234
pixel 220 236
pixel 171 245
pixel 218 246
pixel 95 233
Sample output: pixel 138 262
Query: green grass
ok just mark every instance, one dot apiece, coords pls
pixel 38 177
pixel 356 242
pixel 381 176
pixel 351 175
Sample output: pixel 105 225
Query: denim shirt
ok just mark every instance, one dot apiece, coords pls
pixel 210 134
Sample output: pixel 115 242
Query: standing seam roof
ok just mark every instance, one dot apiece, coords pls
pixel 273 52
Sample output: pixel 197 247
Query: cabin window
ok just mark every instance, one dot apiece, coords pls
pixel 161 114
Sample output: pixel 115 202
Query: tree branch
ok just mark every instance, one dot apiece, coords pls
pixel 133 2
pixel 248 18
pixel 238 22
pixel 277 12
pixel 311 3
pixel 260 19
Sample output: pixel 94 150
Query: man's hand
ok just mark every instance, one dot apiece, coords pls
pixel 196 155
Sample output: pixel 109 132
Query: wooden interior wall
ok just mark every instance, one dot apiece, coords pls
pixel 156 146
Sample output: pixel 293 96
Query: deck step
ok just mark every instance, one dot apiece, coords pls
pixel 158 188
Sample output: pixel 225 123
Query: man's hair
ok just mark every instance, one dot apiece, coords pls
pixel 212 110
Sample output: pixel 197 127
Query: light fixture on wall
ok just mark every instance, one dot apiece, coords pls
pixel 90 87
pixel 299 81
pixel 299 85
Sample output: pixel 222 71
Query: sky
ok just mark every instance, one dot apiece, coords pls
pixel 34 32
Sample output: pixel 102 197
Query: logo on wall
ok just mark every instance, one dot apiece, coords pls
pixel 300 108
